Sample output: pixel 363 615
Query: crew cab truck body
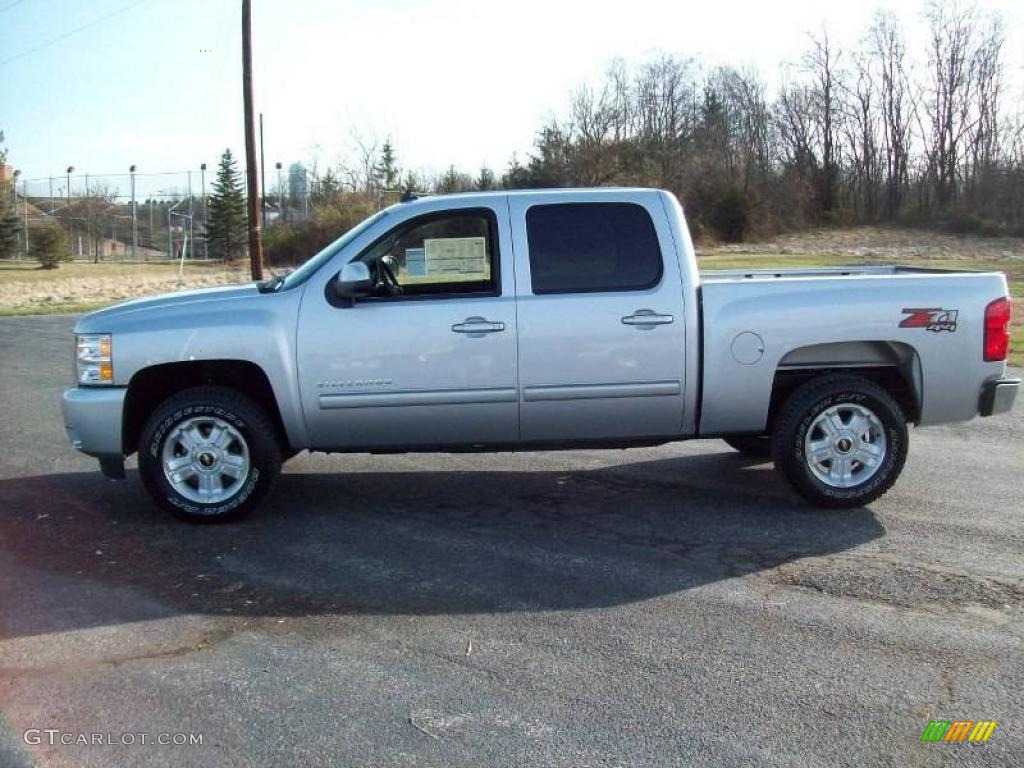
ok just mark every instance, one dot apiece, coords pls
pixel 530 320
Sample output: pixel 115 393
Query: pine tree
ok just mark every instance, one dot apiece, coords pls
pixel 387 171
pixel 485 181
pixel 325 189
pixel 226 230
pixel 10 225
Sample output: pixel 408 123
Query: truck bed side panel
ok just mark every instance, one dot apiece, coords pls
pixel 779 316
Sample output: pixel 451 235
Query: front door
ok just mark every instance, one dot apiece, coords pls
pixel 430 358
pixel 601 332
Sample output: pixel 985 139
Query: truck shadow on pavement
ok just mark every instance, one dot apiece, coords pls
pixel 79 551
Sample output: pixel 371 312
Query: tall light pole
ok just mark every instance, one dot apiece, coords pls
pixel 280 192
pixel 88 225
pixel 135 219
pixel 71 232
pixel 263 179
pixel 202 181
pixel 191 234
pixel 255 243
pixel 24 190
pixel 24 196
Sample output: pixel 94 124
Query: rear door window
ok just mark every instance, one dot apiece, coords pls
pixel 587 247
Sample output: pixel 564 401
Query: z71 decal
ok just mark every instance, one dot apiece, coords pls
pixel 932 319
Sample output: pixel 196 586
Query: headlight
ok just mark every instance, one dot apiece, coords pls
pixel 93 363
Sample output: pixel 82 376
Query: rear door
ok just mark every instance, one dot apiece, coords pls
pixel 601 331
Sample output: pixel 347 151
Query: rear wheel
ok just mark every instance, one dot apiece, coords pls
pixel 754 446
pixel 840 441
pixel 208 454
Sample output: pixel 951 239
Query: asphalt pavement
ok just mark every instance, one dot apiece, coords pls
pixel 668 606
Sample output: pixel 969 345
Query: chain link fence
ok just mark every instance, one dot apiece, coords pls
pixel 136 216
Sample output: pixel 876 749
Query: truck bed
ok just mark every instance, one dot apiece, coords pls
pixel 758 322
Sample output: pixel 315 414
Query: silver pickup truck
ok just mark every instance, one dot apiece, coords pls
pixel 533 320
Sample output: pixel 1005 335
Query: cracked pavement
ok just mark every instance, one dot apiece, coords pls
pixel 664 606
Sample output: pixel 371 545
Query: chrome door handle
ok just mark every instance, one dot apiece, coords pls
pixel 477 326
pixel 647 318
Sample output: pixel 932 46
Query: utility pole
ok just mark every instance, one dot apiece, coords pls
pixel 255 243
pixel 263 180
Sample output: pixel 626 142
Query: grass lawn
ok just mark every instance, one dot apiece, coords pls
pixel 81 286
pixel 29 271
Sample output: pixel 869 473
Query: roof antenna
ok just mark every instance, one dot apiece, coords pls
pixel 408 196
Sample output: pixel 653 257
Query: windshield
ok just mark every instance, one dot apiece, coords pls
pixel 306 270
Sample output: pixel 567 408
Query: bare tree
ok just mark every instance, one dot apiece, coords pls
pixel 92 212
pixel 983 134
pixel 361 171
pixel 889 52
pixel 822 64
pixel 859 130
pixel 948 106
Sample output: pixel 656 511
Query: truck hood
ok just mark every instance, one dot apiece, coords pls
pixel 181 301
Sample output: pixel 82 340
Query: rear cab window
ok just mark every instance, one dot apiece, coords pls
pixel 592 247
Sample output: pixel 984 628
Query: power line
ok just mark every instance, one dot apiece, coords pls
pixel 66 35
pixel 11 5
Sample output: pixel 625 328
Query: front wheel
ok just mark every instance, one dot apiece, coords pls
pixel 840 441
pixel 208 454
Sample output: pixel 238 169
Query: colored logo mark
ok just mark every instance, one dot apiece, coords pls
pixel 958 730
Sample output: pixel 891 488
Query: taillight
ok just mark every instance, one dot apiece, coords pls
pixel 997 330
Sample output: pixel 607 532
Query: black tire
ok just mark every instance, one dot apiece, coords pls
pixel 754 446
pixel 246 417
pixel 797 415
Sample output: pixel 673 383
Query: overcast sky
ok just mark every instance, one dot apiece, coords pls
pixel 462 82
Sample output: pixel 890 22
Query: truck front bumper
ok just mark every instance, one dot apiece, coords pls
pixel 92 419
pixel 998 396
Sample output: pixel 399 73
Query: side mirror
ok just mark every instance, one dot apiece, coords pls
pixel 354 281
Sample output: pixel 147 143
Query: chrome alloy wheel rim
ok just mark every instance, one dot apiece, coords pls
pixel 205 459
pixel 845 445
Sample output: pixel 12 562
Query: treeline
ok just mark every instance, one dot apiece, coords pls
pixel 870 134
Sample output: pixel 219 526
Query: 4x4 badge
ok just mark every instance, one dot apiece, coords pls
pixel 932 319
